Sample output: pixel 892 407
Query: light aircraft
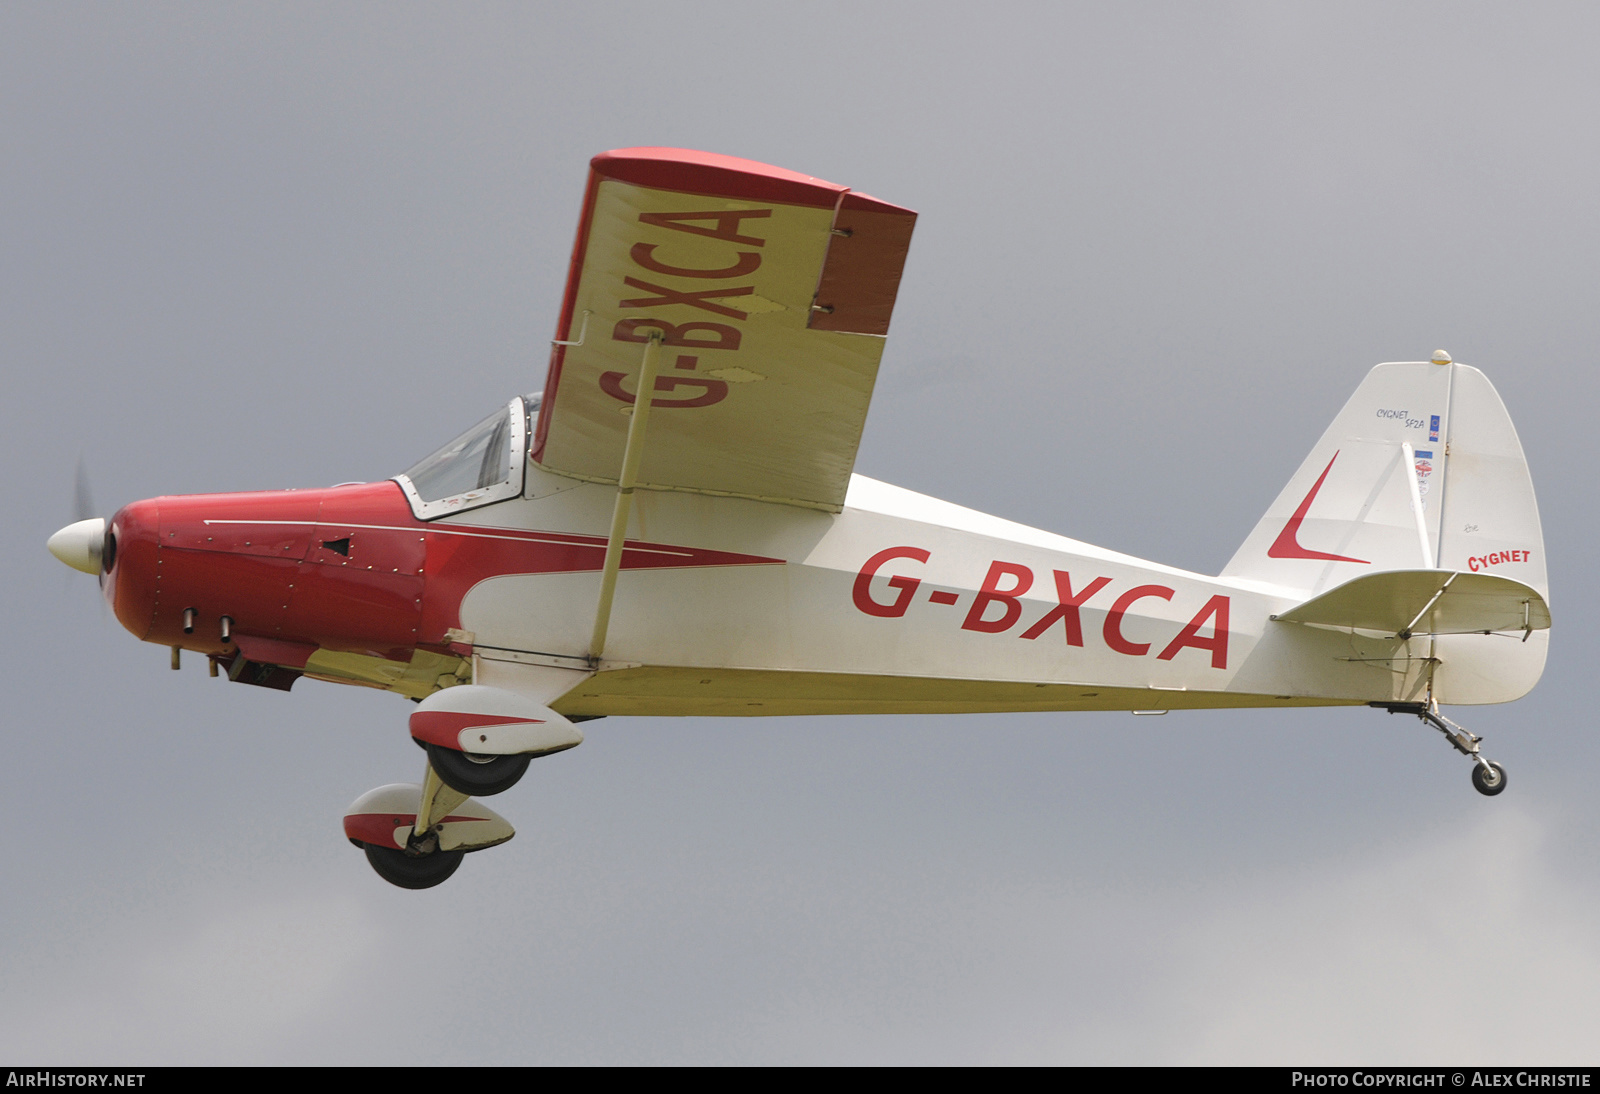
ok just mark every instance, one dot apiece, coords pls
pixel 586 552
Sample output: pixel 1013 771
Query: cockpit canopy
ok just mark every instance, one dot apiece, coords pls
pixel 482 466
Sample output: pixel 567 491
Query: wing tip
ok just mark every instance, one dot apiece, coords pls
pixel 716 175
pixel 649 165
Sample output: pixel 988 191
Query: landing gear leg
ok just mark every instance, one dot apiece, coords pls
pixel 438 798
pixel 1488 777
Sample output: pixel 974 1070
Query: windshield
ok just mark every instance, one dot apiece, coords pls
pixel 479 458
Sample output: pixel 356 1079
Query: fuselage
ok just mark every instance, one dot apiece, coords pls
pixel 899 603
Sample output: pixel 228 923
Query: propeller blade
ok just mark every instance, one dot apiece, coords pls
pixel 82 497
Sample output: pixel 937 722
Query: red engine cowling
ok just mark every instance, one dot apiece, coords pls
pixel 340 568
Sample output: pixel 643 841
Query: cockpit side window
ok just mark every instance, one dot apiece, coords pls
pixel 473 461
pixel 481 466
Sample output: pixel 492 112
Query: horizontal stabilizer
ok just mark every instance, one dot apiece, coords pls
pixel 1407 602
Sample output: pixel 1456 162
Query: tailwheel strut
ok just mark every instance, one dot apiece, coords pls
pixel 1488 777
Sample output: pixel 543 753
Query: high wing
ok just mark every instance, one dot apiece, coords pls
pixel 771 292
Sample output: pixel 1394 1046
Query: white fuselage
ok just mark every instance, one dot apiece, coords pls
pixel 904 603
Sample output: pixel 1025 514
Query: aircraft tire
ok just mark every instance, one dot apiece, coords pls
pixel 480 777
pixel 412 871
pixel 1486 784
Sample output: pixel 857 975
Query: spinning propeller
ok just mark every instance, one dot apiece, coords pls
pixel 82 544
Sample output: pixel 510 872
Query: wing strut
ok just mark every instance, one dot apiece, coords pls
pixel 644 395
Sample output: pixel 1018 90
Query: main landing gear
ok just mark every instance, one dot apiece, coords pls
pixel 416 836
pixel 1488 777
pixel 479 741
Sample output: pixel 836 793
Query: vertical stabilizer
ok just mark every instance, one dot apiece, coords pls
pixel 1422 469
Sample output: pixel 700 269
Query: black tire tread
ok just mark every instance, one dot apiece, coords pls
pixel 1481 784
pixel 475 779
pixel 412 871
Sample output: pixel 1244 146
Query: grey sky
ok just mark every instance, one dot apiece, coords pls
pixel 255 247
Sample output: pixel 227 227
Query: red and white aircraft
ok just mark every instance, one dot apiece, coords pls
pixel 707 550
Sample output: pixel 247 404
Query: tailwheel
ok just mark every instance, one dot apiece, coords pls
pixel 412 871
pixel 473 775
pixel 1488 778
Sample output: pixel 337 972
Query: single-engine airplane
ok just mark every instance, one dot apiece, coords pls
pixel 586 551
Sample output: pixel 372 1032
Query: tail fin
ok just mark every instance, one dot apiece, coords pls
pixel 1422 469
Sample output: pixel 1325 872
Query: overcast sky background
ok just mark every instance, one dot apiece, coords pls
pixel 278 245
